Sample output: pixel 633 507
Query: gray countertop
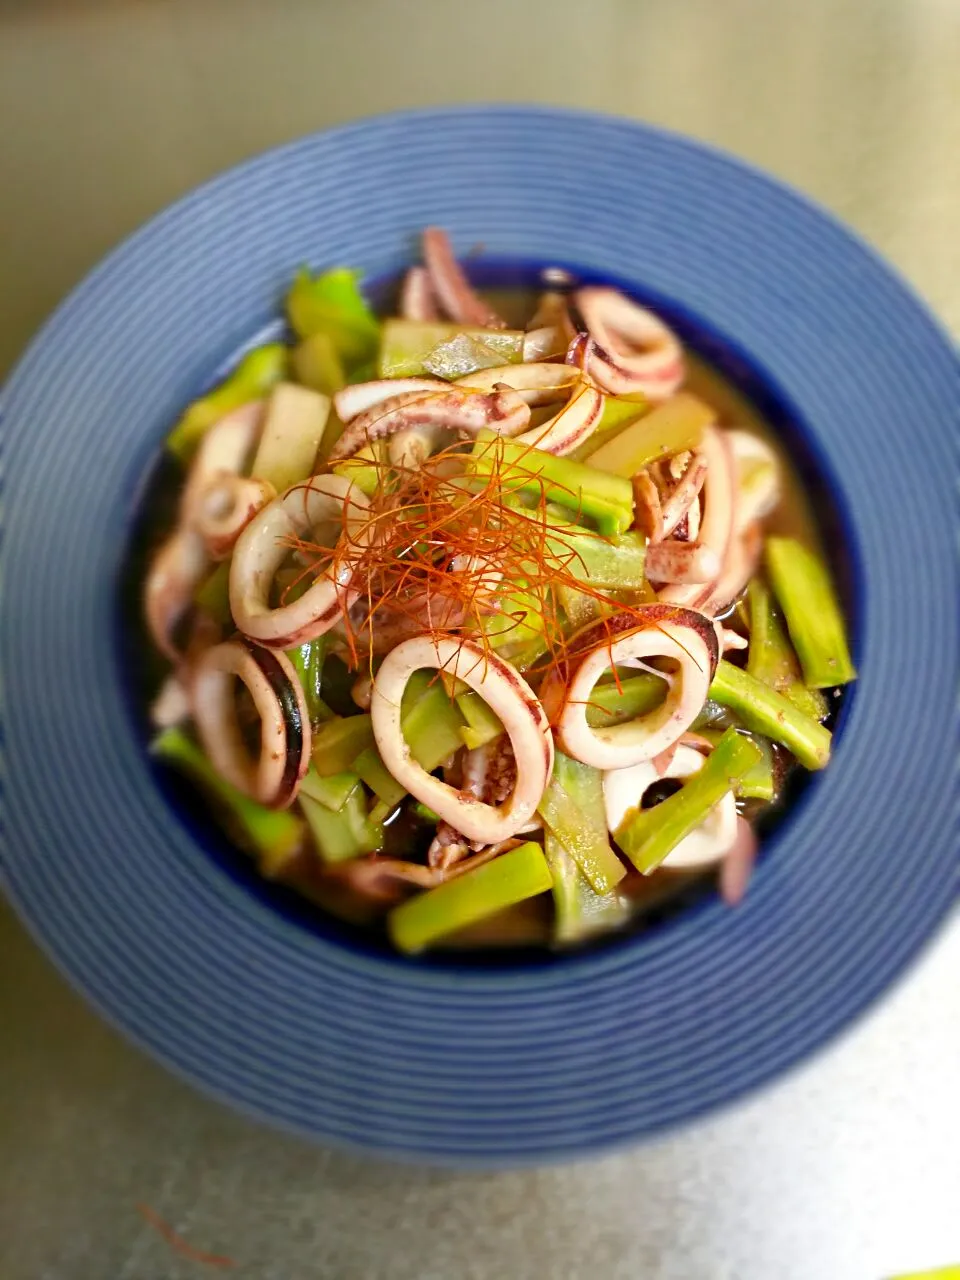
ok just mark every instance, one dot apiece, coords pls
pixel 849 1169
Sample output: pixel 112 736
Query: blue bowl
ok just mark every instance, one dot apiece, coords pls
pixel 449 1062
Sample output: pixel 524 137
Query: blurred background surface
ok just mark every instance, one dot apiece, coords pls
pixel 847 1170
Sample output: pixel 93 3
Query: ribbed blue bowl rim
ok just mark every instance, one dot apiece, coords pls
pixel 447 1063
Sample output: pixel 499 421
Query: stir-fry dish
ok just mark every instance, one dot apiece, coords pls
pixel 481 633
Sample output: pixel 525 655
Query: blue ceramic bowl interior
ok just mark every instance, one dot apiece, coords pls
pixel 455 1062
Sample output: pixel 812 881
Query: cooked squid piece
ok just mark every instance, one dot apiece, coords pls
pixel 689 527
pixel 226 507
pixel 676 505
pixel 481 574
pixel 741 562
pixel 756 475
pixel 506 693
pixel 686 562
pixel 262 547
pixel 717 517
pixel 451 409
pixel 681 635
pixel 273 777
pixel 410 446
pixel 448 847
pixel 574 423
pixel 754 490
pixel 631 351
pixel 358 632
pixel 392 879
pixel 648 513
pixel 183 560
pixel 417 301
pixel 451 286
pixel 361 691
pixel 548 342
pixel 730 640
pixel 348 637
pixel 537 383
pixel 550 329
pixel 488 772
pixel 225 450
pixel 543 384
pixel 176 571
pixel 351 401
pixel 172 704
pixel 625 789
pixel 738 864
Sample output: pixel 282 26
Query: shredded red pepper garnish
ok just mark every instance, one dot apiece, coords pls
pixel 443 550
pixel 179 1245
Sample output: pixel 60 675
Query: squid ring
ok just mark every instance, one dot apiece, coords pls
pixel 261 548
pixel 507 693
pixel 274 777
pixel 685 636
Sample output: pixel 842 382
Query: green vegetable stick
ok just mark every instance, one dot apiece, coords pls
pixel 483 724
pixel 801 583
pixel 253 377
pixel 513 877
pixel 291 584
pixel 307 660
pixel 518 626
pixel 618 414
pixel 378 778
pixel 578 606
pixel 610 565
pixel 337 287
pixel 758 782
pixel 317 364
pixel 603 498
pixel 714 716
pixel 338 742
pixel 331 303
pixel 345 834
pixel 333 791
pixel 636 696
pixel 405 344
pixel 578 910
pixel 572 807
pixel 647 836
pixel 276 834
pixel 293 425
pixel 380 811
pixel 456 357
pixel 672 427
pixel 430 721
pixel 765 711
pixel 365 372
pixel 365 468
pixel 770 656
